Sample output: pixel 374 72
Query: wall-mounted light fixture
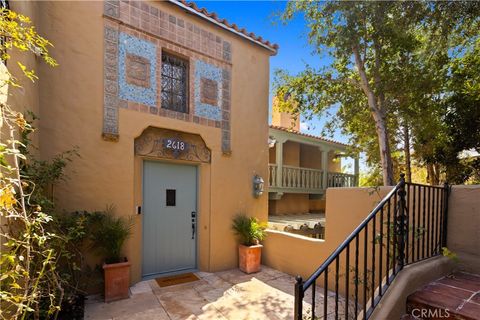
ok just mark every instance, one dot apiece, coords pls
pixel 271 142
pixel 257 185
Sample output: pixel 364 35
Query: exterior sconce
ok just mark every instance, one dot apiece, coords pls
pixel 271 142
pixel 257 186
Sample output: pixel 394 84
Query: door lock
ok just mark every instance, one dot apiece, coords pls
pixel 194 215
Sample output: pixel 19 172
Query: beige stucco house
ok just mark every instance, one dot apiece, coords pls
pixel 301 167
pixel 154 95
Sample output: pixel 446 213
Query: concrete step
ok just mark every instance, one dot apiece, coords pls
pixel 456 296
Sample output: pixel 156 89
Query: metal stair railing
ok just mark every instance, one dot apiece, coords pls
pixel 407 226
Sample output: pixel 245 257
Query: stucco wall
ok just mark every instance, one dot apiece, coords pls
pixel 284 119
pixel 71 112
pixel 464 225
pixel 345 210
pixel 290 203
pixel 291 154
pixel 310 157
pixel 317 205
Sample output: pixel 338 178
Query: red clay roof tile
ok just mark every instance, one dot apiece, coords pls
pixel 307 135
pixel 252 36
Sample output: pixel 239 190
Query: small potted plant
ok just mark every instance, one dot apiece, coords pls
pixel 250 232
pixel 108 234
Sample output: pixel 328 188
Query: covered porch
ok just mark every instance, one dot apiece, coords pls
pixel 301 163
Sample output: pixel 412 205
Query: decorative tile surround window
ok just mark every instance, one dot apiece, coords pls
pixel 137 34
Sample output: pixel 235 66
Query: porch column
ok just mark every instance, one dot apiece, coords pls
pixel 325 167
pixel 357 170
pixel 279 161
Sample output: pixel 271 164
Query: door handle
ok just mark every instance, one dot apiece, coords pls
pixel 194 215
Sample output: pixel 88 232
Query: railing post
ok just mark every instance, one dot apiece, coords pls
pixel 298 298
pixel 325 167
pixel 400 224
pixel 279 162
pixel 446 190
pixel 356 171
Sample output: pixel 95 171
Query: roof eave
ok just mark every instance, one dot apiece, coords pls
pixel 221 25
pixel 339 145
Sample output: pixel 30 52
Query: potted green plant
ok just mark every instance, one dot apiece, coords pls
pixel 108 234
pixel 250 232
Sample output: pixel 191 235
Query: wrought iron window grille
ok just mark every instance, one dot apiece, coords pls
pixel 174 73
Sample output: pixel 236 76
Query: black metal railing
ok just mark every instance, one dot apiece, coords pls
pixel 407 226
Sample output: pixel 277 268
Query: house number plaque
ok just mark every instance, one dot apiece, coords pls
pixel 175 145
pixel 171 144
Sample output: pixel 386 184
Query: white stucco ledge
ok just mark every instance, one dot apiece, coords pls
pixel 411 278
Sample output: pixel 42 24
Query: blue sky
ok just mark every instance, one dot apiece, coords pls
pixel 261 17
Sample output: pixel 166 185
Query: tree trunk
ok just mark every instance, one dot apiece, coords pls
pixel 406 150
pixel 436 167
pixel 378 114
pixel 384 145
pixel 432 174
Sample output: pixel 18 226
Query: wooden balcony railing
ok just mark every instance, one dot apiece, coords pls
pixel 341 180
pixel 298 179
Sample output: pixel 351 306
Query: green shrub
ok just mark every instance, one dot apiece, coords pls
pixel 108 234
pixel 249 230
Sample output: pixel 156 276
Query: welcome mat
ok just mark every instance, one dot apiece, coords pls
pixel 178 279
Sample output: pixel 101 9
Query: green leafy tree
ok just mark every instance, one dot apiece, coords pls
pixel 462 119
pixel 387 78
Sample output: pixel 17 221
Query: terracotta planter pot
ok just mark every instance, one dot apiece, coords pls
pixel 117 280
pixel 249 258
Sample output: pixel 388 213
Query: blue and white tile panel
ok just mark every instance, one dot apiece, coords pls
pixel 133 45
pixel 205 70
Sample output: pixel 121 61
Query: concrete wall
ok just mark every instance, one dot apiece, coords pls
pixel 71 113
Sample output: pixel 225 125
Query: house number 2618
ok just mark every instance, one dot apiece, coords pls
pixel 175 145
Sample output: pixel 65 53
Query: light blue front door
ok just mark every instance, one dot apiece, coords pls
pixel 169 217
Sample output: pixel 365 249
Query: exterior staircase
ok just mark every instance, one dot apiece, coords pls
pixel 456 296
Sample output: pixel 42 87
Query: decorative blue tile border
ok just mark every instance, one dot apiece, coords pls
pixel 205 110
pixel 133 45
pixel 208 111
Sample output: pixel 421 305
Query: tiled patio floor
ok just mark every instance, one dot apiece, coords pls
pixel 222 295
pixel 459 293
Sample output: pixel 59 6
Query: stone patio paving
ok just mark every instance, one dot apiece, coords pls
pixel 222 295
